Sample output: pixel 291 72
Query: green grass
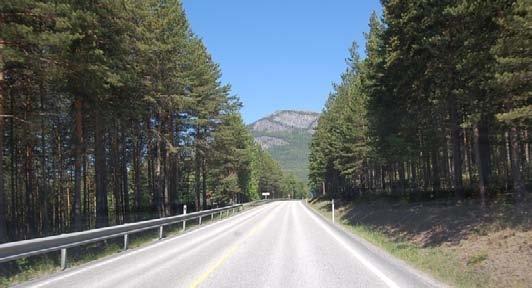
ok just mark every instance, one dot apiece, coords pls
pixel 443 265
pixel 35 267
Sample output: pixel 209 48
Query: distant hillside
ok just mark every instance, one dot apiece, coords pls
pixel 286 135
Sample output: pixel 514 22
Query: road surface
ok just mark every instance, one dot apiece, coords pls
pixel 281 244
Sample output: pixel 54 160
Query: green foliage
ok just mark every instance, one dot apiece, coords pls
pixel 116 113
pixel 430 106
pixel 292 157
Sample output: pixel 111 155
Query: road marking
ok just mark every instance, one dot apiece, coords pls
pixel 227 255
pixel 142 249
pixel 389 282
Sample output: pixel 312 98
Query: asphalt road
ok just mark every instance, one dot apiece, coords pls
pixel 281 244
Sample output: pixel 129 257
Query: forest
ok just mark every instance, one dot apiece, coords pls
pixel 113 112
pixel 439 106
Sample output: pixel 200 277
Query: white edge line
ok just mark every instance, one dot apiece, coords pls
pixel 389 282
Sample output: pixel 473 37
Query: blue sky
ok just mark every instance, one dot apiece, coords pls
pixel 280 54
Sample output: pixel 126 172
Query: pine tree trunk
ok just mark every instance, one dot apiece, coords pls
pixel 165 165
pixel 414 188
pixel 402 181
pixel 481 176
pixel 197 172
pixel 44 176
pixel 78 149
pixel 30 197
pixel 456 147
pixel 3 206
pixel 100 172
pixel 197 176
pixel 204 183
pixel 136 167
pixel 173 170
pixel 29 178
pixel 157 164
pixel 151 170
pixel 484 151
pixel 519 186
pixel 508 159
pixel 436 182
pixel 124 174
pixel 115 173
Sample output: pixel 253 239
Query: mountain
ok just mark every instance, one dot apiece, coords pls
pixel 286 135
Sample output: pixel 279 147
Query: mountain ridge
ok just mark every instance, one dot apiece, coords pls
pixel 286 134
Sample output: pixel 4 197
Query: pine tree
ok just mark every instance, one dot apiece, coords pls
pixel 512 52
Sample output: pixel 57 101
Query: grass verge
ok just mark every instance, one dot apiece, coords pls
pixel 442 264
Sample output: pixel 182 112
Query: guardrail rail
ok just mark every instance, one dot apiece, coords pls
pixel 25 248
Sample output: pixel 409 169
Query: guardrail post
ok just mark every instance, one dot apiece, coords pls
pixel 184 213
pixel 332 208
pixel 126 241
pixel 221 214
pixel 212 216
pixel 199 221
pixel 161 232
pixel 63 258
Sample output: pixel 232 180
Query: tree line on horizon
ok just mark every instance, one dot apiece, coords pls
pixel 112 112
pixel 440 105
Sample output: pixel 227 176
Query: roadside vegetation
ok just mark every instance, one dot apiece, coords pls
pixel 439 107
pixel 426 139
pixel 457 243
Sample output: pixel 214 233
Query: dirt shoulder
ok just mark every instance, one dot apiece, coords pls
pixel 459 243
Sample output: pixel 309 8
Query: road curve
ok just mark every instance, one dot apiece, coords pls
pixel 281 244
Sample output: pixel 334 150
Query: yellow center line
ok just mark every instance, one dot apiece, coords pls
pixel 228 254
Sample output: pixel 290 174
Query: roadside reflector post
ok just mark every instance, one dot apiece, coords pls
pixel 184 213
pixel 126 240
pixel 161 232
pixel 199 221
pixel 63 258
pixel 221 214
pixel 212 216
pixel 332 208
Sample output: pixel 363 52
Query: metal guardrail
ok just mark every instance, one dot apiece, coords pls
pixel 21 249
